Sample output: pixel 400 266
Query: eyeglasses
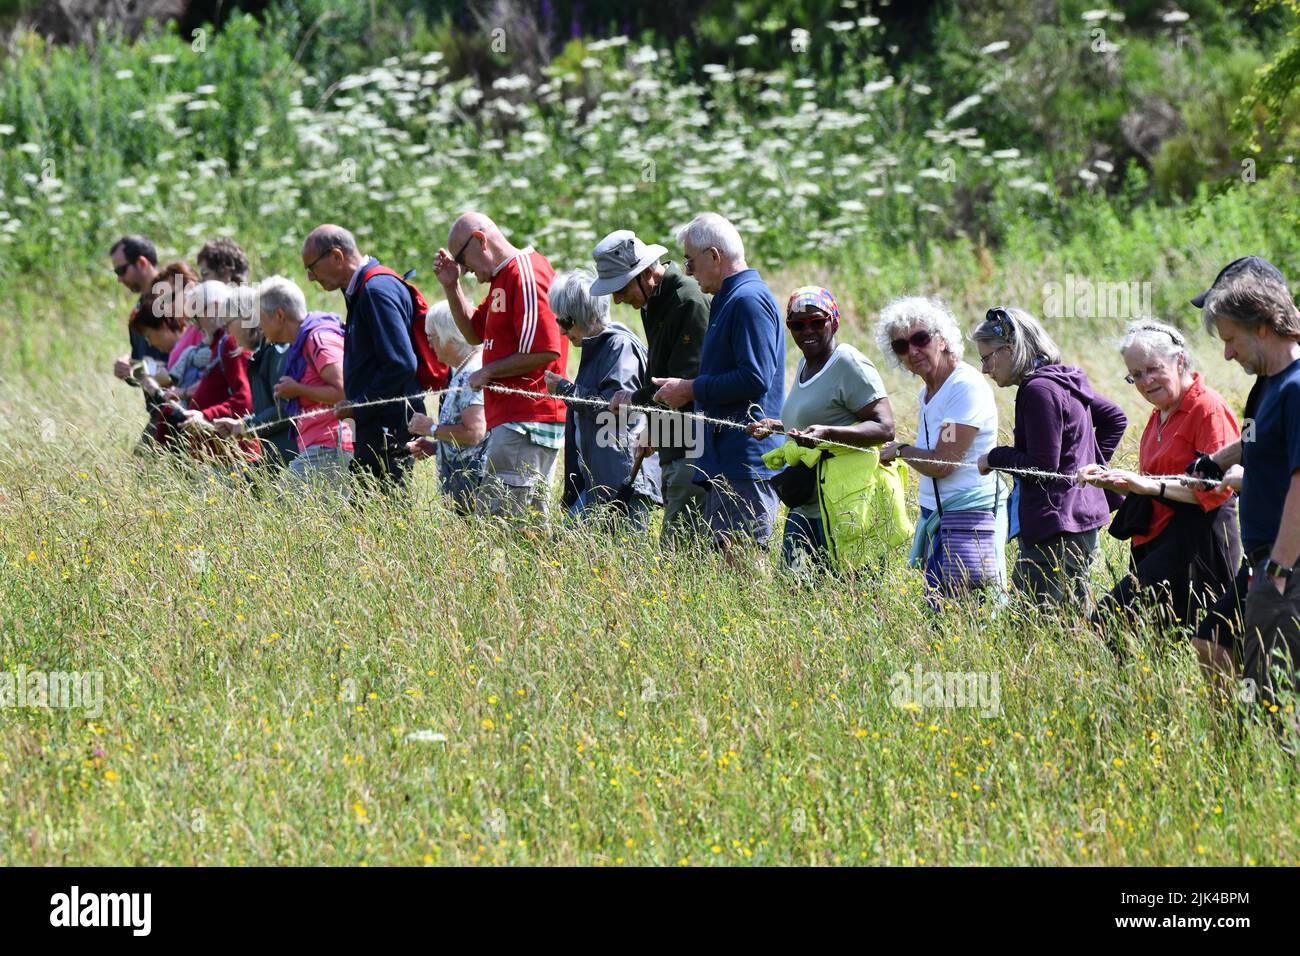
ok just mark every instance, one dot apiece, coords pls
pixel 919 339
pixel 803 325
pixel 689 261
pixel 1143 374
pixel 985 359
pixel 120 271
pixel 318 259
pixel 460 261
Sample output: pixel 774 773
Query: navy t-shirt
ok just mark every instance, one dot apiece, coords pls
pixel 1270 458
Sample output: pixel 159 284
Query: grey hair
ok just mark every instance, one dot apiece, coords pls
pixel 934 316
pixel 213 299
pixel 1251 299
pixel 324 238
pixel 1156 338
pixel 1023 336
pixel 709 230
pixel 277 292
pixel 569 298
pixel 440 325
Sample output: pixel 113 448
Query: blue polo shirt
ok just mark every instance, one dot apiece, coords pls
pixel 1270 457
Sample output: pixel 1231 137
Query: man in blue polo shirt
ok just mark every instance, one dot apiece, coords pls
pixel 741 379
pixel 1255 316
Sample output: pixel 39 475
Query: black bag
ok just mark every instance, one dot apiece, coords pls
pixel 795 485
pixel 1133 516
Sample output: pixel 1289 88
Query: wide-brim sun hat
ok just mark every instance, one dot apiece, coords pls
pixel 620 258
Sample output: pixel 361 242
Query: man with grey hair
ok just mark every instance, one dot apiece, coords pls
pixel 379 360
pixel 741 379
pixel 520 342
pixel 675 316
pixel 601 451
pixel 1253 313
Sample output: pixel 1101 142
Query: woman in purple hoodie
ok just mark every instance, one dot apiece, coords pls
pixel 1062 425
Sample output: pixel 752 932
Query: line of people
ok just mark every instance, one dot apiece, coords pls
pixel 715 351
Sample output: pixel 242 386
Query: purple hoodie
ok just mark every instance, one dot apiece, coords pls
pixel 1056 414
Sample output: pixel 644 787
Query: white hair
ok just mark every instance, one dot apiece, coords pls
pixel 935 317
pixel 212 298
pixel 276 292
pixel 440 326
pixel 709 230
pixel 1156 338
pixel 569 298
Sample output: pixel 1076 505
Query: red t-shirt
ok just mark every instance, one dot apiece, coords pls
pixel 1201 422
pixel 516 317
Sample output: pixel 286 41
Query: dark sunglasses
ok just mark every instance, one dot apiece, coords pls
pixel 460 260
pixel 919 339
pixel 801 325
pixel 120 271
pixel 564 322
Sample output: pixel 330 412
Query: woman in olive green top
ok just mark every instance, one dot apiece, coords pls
pixel 837 395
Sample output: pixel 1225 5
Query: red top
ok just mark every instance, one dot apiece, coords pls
pixel 516 317
pixel 224 392
pixel 1200 422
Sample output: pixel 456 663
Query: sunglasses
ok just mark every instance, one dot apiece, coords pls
pixel 120 271
pixel 802 325
pixel 564 322
pixel 460 256
pixel 919 339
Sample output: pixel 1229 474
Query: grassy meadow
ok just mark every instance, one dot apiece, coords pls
pixel 294 680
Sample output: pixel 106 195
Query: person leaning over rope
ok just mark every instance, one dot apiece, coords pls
pixel 1061 425
pixel 135 263
pixel 1254 315
pixel 520 341
pixel 456 439
pixel 1185 546
pixel 675 317
pixel 837 395
pixel 379 360
pixel 310 384
pixel 601 446
pixel 741 377
pixel 961 538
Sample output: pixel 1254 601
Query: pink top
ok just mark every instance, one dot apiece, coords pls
pixel 322 348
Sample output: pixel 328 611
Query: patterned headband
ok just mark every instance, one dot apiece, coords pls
pixel 819 298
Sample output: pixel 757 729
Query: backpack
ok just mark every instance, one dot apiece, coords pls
pixel 433 375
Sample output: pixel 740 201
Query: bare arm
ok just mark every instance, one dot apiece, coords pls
pixel 954 442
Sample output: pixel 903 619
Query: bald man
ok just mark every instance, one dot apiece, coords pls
pixel 378 358
pixel 521 342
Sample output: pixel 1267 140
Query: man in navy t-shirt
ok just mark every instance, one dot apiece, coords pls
pixel 1255 316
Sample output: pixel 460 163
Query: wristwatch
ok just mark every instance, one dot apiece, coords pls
pixel 1280 571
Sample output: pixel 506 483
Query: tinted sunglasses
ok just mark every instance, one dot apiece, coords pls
pixel 919 339
pixel 120 271
pixel 564 322
pixel 801 325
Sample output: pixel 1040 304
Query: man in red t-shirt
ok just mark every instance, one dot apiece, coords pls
pixel 521 341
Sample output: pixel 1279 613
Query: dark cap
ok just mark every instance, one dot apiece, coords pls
pixel 1247 263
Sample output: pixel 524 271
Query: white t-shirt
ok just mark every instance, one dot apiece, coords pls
pixel 964 399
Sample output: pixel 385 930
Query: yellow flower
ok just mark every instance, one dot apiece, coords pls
pixel 487 724
pixel 110 775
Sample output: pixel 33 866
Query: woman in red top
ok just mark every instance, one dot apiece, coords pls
pixel 224 391
pixel 1185 541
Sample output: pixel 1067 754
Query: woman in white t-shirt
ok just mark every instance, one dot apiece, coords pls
pixel 961 538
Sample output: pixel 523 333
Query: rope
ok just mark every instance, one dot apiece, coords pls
pixel 1037 473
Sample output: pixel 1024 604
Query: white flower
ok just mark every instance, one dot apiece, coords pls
pixel 162 59
pixel 425 737
pixel 30 149
pixel 1175 16
pixel 875 86
pixel 747 40
pixel 963 107
pixel 1088 176
pixel 124 74
pixel 1092 15
pixel 997 46
pixel 207 89
pixel 1104 166
pixel 903 188
pixel 1006 154
pixel 867 22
